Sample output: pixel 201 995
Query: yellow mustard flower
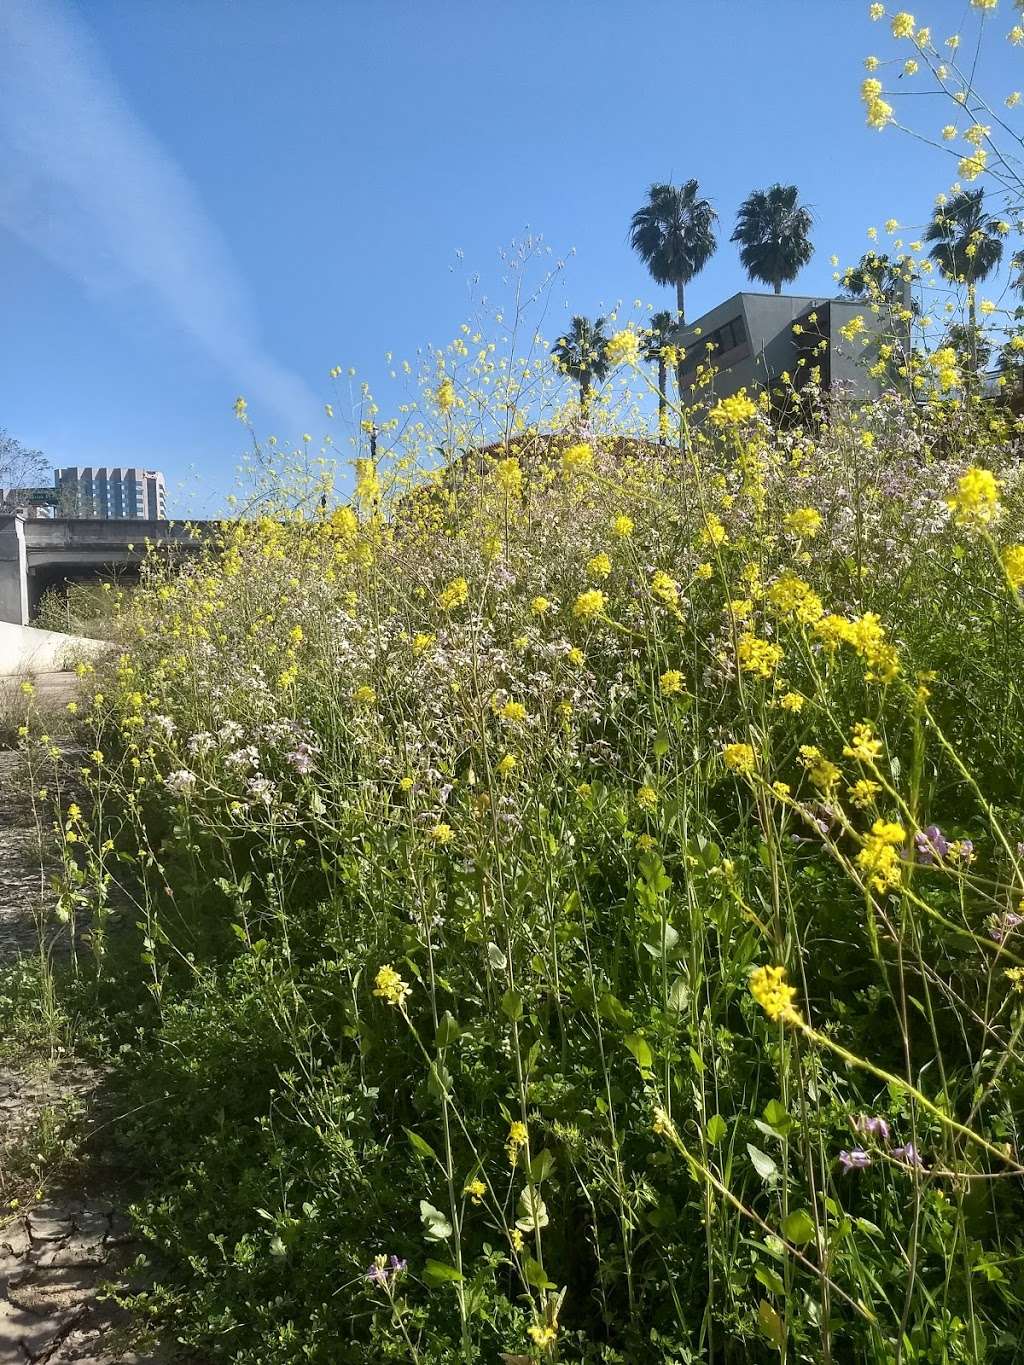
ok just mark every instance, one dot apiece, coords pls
pixel 976 501
pixel 739 758
pixel 768 987
pixel 391 987
pixel 589 604
pixel 671 682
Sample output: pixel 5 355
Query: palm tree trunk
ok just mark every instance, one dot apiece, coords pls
pixel 584 393
pixel 680 319
pixel 778 285
pixel 662 399
pixel 972 317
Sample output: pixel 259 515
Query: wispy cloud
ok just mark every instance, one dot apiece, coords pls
pixel 87 185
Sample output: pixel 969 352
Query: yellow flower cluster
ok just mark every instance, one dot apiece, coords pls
pixel 821 770
pixel 1013 565
pixel 671 682
pixel 509 474
pixel 879 859
pixel 517 1136
pixel 863 745
pixel 976 501
pixel 577 457
pixel 455 595
pixel 804 523
pixel 664 588
pixel 733 411
pixel 600 566
pixel 768 987
pixel 589 604
pixel 445 395
pixel 623 348
pixel 739 758
pixel 390 986
pixel 791 596
pixel 757 656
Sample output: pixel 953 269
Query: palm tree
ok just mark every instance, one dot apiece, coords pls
pixel 878 277
pixel 674 235
pixel 580 353
pixel 966 245
pixel 652 347
pixel 773 231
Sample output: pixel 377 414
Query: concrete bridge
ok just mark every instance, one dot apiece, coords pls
pixel 40 554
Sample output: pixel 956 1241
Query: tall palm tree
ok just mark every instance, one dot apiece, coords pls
pixel 652 347
pixel 674 236
pixel 880 278
pixel 773 231
pixel 581 354
pixel 966 245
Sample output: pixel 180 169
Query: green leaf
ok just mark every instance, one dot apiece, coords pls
pixel 763 1164
pixel 777 1116
pixel 436 1226
pixel 536 1274
pixel 533 1212
pixel 678 995
pixel 447 1030
pixel 717 1129
pixel 769 1279
pixel 798 1227
pixel 496 958
pixel 541 1167
pixel 771 1324
pixel 419 1145
pixel 660 746
pixel 640 1049
pixel 512 1005
pixel 436 1273
pixel 662 939
pixel 611 1009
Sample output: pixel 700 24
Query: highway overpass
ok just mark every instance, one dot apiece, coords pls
pixel 40 554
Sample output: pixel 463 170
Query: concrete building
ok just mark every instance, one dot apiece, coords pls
pixel 756 338
pixel 111 492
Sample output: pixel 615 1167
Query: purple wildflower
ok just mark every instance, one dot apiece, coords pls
pixel 931 845
pixel 301 757
pixel 1000 927
pixel 376 1274
pixel 874 1126
pixel 854 1160
pixel 963 850
pixel 907 1154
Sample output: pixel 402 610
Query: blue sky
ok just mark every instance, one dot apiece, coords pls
pixel 202 198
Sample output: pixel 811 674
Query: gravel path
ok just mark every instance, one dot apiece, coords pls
pixel 54 1256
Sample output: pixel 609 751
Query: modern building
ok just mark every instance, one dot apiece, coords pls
pixel 752 340
pixel 111 492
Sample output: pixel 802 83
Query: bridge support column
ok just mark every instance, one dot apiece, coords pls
pixel 14 592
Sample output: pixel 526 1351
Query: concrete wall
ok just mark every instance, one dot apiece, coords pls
pixel 25 651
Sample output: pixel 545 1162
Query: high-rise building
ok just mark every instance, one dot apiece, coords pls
pixel 111 492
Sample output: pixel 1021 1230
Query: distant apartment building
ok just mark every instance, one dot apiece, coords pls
pixel 113 492
pixel 753 340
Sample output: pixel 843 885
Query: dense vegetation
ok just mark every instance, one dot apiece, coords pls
pixel 566 902
pixel 572 910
